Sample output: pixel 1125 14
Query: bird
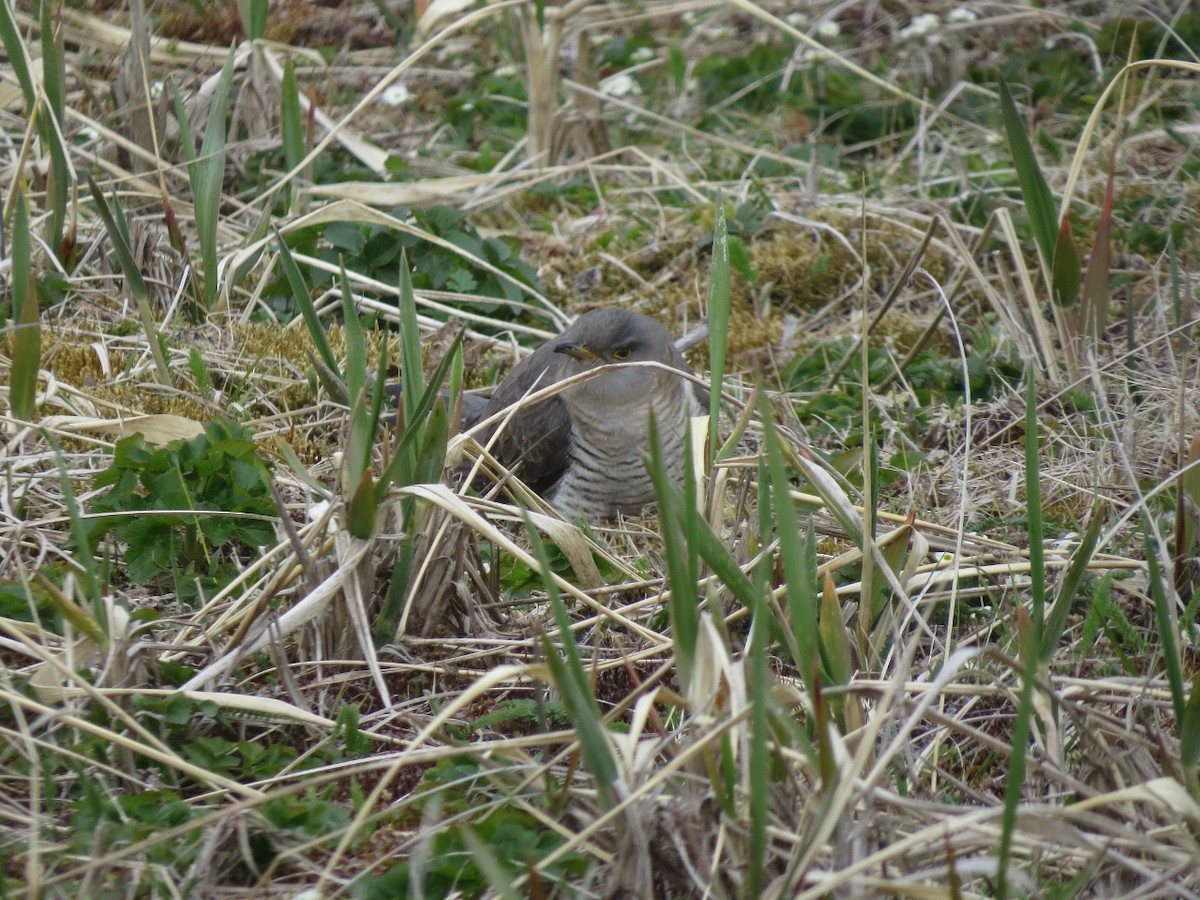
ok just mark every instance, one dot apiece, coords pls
pixel 584 449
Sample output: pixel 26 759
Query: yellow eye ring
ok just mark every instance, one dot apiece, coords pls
pixel 622 353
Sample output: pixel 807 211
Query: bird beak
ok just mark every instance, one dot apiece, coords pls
pixel 576 350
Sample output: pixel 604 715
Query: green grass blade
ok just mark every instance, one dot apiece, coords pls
pixel 799 577
pixel 253 15
pixel 61 174
pixel 567 671
pixel 1189 735
pixel 1056 622
pixel 412 365
pixel 291 119
pixel 412 368
pixel 1029 636
pixel 1168 628
pixel 356 348
pixel 1043 218
pixel 83 559
pixel 1022 726
pixel 431 454
pixel 208 180
pixel 1187 506
pixel 303 299
pixel 1096 294
pixel 18 58
pixel 1033 503
pixel 683 605
pixel 415 426
pixel 718 325
pixel 760 762
pixel 1068 267
pixel 27 342
pixel 363 503
pixel 21 275
pixel 114 223
pixel 119 234
pixel 361 507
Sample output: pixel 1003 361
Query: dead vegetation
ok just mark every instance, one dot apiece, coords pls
pixel 961 688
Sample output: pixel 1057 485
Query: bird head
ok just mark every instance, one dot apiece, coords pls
pixel 605 336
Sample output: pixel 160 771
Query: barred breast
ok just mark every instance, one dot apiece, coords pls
pixel 607 475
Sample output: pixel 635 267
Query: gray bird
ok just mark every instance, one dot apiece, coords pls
pixel 583 449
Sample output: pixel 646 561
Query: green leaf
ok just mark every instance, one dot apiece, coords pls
pixel 356 352
pixel 679 552
pixel 18 58
pixel 118 234
pixel 1056 621
pixel 208 180
pixel 300 293
pixel 1067 274
pixel 1038 201
pixel 1189 731
pixel 799 573
pixel 718 325
pixel 291 121
pixel 27 341
pixel 1096 290
pixel 569 677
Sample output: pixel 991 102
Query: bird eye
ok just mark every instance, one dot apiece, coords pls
pixel 622 353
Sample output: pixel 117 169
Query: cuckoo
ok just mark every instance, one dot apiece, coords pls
pixel 584 449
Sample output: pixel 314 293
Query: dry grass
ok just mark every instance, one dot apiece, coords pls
pixel 160 747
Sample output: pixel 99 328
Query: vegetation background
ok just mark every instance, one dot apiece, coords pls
pixel 924 621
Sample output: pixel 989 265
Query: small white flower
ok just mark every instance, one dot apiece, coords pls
pixel 827 29
pixel 921 25
pixel 156 90
pixel 960 15
pixel 642 54
pixel 396 95
pixel 619 85
pixel 796 19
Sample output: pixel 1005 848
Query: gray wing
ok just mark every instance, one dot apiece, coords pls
pixel 536 440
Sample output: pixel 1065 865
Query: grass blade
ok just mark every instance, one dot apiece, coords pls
pixel 303 299
pixel 208 180
pixel 27 342
pixel 718 325
pixel 798 572
pixel 1168 628
pixel 1038 201
pixel 682 562
pixel 1096 293
pixel 118 233
pixel 1056 622
pixel 569 676
pixel 759 762
pixel 291 119
pixel 1033 502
